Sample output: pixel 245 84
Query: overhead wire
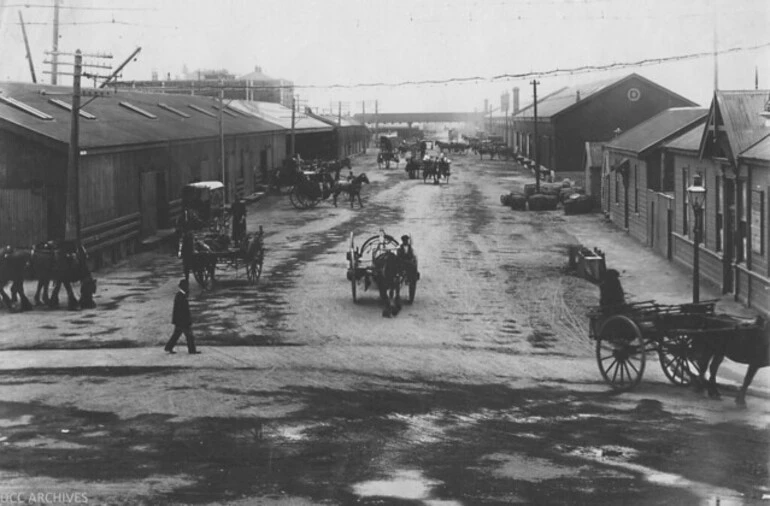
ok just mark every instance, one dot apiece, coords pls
pixel 501 77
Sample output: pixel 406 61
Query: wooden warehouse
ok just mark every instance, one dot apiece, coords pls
pixel 591 112
pixel 638 188
pixel 350 136
pixel 137 150
pixel 731 153
pixel 313 138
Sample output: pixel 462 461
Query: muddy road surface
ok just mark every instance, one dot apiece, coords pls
pixel 484 391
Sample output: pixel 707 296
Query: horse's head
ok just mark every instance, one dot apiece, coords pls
pixel 362 178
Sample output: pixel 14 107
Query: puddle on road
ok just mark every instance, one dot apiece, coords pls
pixel 522 467
pixel 407 484
pixel 619 457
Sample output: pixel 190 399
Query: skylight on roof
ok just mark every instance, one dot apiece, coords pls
pixel 68 107
pixel 138 110
pixel 26 108
pixel 229 113
pixel 173 109
pixel 201 110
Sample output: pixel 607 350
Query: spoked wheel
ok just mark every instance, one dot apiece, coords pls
pixel 297 198
pixel 203 277
pixel 412 290
pixel 676 357
pixel 254 269
pixel 620 352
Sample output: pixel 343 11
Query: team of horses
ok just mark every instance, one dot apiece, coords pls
pixel 56 263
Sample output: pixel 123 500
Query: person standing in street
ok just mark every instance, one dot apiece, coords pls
pixel 182 320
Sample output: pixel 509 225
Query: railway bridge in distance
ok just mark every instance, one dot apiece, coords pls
pixel 410 118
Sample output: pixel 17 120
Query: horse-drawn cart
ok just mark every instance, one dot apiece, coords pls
pixel 683 336
pixel 213 235
pixel 210 251
pixel 378 262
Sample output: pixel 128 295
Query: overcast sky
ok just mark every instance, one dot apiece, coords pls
pixel 349 42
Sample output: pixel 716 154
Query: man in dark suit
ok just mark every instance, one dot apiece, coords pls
pixel 182 320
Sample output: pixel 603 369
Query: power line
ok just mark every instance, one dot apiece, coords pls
pixel 74 7
pixel 501 77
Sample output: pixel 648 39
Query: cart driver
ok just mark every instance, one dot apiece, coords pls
pixel 405 251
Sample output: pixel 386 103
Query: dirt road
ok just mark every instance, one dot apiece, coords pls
pixel 484 391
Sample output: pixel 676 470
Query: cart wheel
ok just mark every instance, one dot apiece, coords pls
pixel 412 290
pixel 296 199
pixel 254 269
pixel 620 352
pixel 203 277
pixel 675 354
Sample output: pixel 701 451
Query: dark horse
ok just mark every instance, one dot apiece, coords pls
pixel 389 275
pixel 62 263
pixel 352 188
pixel 13 264
pixel 430 170
pixel 749 344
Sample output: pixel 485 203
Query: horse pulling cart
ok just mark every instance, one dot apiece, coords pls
pixel 380 262
pixel 212 235
pixel 684 336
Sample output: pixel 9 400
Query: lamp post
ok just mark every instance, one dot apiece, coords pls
pixel 697 194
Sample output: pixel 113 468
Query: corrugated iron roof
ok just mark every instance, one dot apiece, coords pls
pixel 658 129
pixel 280 115
pixel 115 125
pixel 689 141
pixel 741 115
pixel 759 151
pixel 566 98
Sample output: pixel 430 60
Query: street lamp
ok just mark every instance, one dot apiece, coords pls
pixel 697 195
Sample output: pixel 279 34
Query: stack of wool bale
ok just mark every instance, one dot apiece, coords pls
pixel 516 201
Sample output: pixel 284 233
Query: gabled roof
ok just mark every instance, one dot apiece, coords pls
pixel 280 115
pixel 689 141
pixel 759 151
pixel 256 76
pixel 663 126
pixel 569 97
pixel 122 118
pixel 740 114
pixel 334 120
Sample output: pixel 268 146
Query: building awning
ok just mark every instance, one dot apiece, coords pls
pixel 623 164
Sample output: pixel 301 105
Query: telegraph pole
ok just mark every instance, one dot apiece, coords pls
pixel 222 137
pixel 26 45
pixel 339 113
pixel 293 121
pixel 55 49
pixel 376 121
pixel 74 148
pixel 537 151
pixel 363 112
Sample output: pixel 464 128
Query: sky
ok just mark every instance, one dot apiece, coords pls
pixel 330 48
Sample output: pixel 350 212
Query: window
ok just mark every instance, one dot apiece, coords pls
pixel 720 236
pixel 138 110
pixel 26 108
pixel 173 109
pixel 68 107
pixel 685 201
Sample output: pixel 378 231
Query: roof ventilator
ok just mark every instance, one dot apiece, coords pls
pixel 64 105
pixel 137 110
pixel 26 108
pixel 174 110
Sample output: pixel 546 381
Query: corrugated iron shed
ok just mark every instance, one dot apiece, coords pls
pixel 656 130
pixel 280 115
pixel 569 97
pixel 122 118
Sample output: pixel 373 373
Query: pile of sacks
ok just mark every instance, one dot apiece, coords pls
pixel 571 197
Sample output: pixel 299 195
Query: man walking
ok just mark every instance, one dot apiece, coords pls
pixel 182 320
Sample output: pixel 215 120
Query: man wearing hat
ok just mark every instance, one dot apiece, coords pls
pixel 182 320
pixel 405 249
